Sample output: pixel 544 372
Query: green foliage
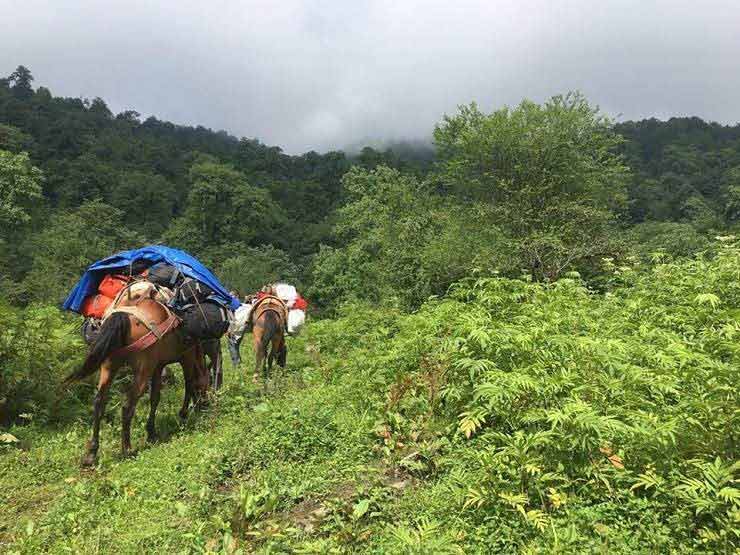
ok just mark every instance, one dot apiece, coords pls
pixel 509 416
pixel 535 188
pixel 254 267
pixel 223 207
pixel 21 80
pixel 401 243
pixel 550 172
pixel 572 408
pixel 585 402
pixel 13 139
pixel 681 165
pixel 148 201
pixel 38 347
pixel 72 241
pixel 651 240
pixel 20 186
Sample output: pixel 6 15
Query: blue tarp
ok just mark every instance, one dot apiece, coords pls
pixel 184 262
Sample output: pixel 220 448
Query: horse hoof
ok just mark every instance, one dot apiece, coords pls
pixel 89 460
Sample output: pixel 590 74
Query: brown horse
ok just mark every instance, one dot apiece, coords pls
pixel 269 319
pixel 109 353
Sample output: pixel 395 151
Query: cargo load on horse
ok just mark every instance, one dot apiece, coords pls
pixel 296 304
pixel 178 279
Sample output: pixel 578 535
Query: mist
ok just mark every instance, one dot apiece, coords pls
pixel 325 75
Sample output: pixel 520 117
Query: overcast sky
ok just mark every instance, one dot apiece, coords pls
pixel 327 74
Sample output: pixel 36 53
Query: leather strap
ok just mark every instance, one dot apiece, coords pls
pixel 146 341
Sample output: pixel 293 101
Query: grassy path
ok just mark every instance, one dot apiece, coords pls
pixel 248 473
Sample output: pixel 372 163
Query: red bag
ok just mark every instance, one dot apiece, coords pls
pixel 112 285
pixel 95 305
pixel 300 304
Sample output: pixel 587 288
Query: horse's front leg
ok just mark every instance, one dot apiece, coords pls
pixel 217 370
pixel 107 371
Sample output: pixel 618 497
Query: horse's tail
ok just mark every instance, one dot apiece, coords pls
pixel 113 335
pixel 272 327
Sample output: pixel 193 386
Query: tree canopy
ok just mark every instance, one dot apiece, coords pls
pixel 540 189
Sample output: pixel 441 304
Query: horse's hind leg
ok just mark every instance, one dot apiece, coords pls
pixel 187 372
pixel 259 357
pixel 196 379
pixel 107 371
pixel 141 378
pixel 154 394
pixel 270 359
pixel 282 355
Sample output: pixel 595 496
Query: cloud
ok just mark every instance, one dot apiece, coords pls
pixel 324 74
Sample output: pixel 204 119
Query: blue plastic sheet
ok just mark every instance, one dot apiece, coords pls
pixel 187 264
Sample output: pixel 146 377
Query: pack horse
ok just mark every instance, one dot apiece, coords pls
pixel 269 314
pixel 147 325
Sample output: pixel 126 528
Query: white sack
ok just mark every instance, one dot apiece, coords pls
pixel 239 322
pixel 296 319
pixel 286 293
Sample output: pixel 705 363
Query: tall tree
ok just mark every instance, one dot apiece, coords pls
pixel 223 208
pixel 20 187
pixel 21 80
pixel 72 241
pixel 551 173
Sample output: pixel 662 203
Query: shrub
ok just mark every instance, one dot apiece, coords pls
pixel 38 347
pixel 572 405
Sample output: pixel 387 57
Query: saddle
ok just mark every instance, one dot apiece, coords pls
pixel 269 303
pixel 156 330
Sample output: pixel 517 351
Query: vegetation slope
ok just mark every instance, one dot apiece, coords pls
pixel 525 341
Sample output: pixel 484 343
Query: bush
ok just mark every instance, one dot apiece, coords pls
pixel 651 240
pixel 401 243
pixel 38 347
pixel 545 407
pixel 254 267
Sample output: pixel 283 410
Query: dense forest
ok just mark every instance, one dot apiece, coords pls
pixel 524 334
pixel 80 182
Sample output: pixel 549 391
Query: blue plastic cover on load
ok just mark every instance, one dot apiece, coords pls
pixel 120 262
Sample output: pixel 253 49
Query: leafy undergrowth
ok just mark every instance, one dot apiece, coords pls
pixel 508 417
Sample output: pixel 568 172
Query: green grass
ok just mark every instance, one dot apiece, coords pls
pixel 182 494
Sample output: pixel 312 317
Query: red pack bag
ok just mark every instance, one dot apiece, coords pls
pixel 300 304
pixel 112 285
pixel 95 305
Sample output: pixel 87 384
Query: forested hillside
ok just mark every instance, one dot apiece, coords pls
pixel 97 182
pixel 523 338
